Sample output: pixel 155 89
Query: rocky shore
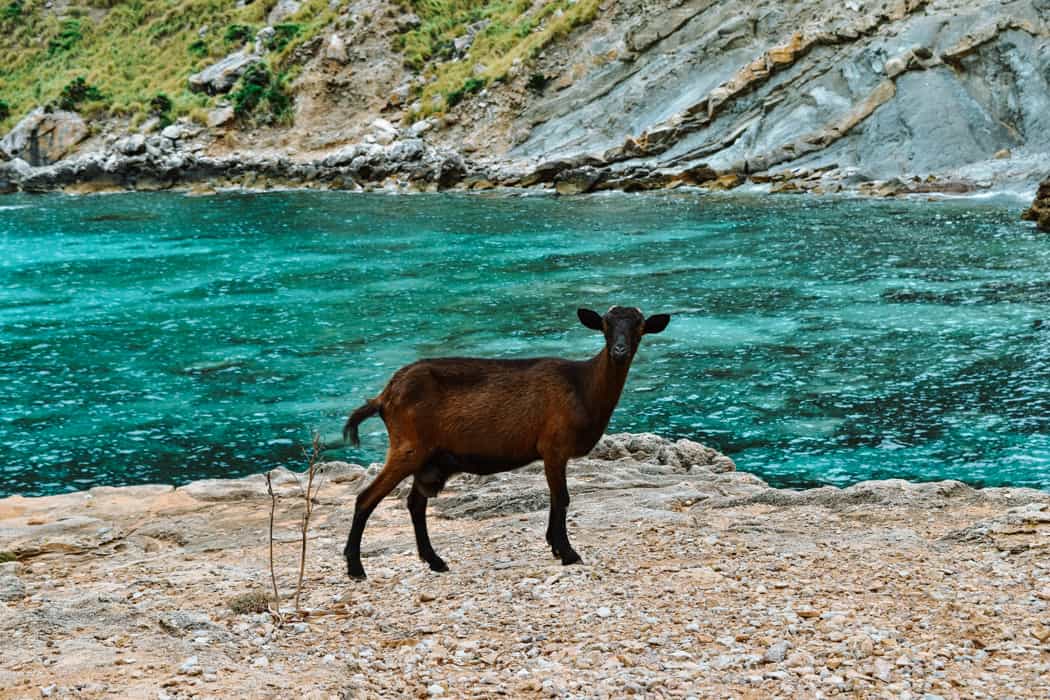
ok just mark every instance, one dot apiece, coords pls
pixel 699 581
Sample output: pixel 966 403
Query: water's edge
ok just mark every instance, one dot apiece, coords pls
pixel 288 482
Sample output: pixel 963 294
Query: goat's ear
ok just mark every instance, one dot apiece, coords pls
pixel 589 318
pixel 657 322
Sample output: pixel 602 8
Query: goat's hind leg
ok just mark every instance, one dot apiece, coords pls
pixel 398 466
pixel 417 507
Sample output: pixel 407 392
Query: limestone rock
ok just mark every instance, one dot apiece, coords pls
pixel 220 116
pixel 63 534
pixel 44 137
pixel 577 180
pixel 335 49
pixel 11 587
pixel 220 77
pixel 283 10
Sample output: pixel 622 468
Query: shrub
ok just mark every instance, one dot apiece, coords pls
pixel 160 106
pixel 238 34
pixel 282 36
pixel 76 92
pixel 537 83
pixel 251 602
pixel 470 86
pixel 12 11
pixel 198 48
pixel 5 110
pixel 261 96
pixel 68 37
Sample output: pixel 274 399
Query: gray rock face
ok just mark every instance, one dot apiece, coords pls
pixel 220 116
pixel 283 10
pixel 11 587
pixel 912 87
pixel 44 137
pixel 169 159
pixel 220 77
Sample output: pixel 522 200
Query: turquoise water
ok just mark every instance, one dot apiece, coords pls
pixel 160 338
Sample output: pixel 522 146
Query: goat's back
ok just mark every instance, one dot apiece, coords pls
pixel 492 408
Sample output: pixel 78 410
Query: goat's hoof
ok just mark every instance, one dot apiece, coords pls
pixel 571 558
pixel 356 573
pixel 438 565
pixel 556 552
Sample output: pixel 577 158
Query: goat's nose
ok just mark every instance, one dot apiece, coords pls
pixel 619 349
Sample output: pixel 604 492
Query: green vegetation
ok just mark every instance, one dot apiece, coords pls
pixel 68 37
pixel 7 556
pixel 238 34
pixel 5 110
pixel 76 93
pixel 160 107
pixel 12 11
pixel 198 49
pixel 470 86
pixel 282 36
pixel 261 97
pixel 132 51
pixel 506 31
pixel 537 83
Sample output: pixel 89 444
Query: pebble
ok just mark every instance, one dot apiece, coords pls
pixel 190 667
pixel 776 652
pixel 435 690
pixel 603 612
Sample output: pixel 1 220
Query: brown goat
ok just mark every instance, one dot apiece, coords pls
pixel 452 415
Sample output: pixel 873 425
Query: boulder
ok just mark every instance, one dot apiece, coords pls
pixel 283 10
pixel 220 77
pixel 385 133
pixel 577 180
pixel 1040 209
pixel 683 454
pixel 220 116
pixel 335 49
pixel 42 138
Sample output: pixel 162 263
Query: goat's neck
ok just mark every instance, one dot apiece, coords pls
pixel 605 386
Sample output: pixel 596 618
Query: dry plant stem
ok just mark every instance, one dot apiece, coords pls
pixel 308 497
pixel 273 575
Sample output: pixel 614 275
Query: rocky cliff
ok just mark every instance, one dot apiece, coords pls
pixel 881 96
pixel 698 580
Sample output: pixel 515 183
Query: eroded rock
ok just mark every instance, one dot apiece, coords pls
pixel 42 137
pixel 220 77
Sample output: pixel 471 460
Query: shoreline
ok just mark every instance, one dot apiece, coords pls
pixel 183 159
pixel 696 580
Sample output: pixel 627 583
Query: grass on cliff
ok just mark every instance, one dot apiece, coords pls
pixel 131 52
pixel 508 32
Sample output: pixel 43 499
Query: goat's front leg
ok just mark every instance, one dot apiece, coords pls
pixel 557 535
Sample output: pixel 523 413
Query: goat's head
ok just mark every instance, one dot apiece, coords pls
pixel 623 327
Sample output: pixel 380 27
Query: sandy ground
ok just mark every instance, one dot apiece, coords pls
pixel 695 583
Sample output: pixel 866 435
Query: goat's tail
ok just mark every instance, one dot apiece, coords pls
pixel 363 413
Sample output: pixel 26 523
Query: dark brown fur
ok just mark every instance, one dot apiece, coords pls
pixel 451 415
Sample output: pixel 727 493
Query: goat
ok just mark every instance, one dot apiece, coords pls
pixel 478 416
